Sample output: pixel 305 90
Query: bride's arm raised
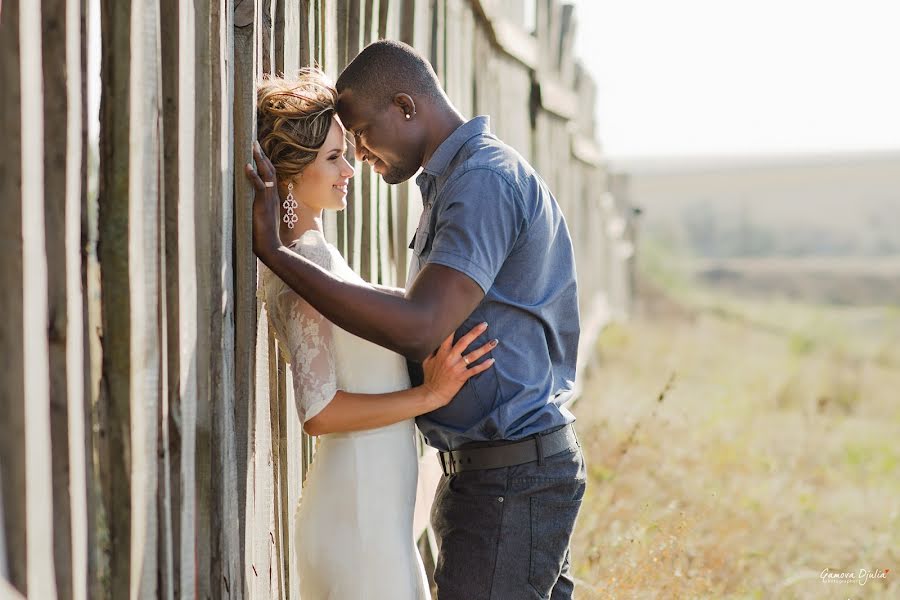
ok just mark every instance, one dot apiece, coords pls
pixel 413 325
pixel 445 374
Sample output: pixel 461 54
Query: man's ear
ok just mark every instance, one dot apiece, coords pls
pixel 405 103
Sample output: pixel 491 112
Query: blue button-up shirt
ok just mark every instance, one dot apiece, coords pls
pixel 489 215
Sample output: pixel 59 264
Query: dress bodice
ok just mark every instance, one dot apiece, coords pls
pixel 324 358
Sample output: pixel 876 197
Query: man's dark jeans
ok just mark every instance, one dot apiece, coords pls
pixel 503 534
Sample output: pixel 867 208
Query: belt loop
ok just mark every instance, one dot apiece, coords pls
pixel 540 449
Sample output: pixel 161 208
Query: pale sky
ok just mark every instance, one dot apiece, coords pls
pixel 688 77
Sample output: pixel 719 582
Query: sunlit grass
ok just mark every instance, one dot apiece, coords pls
pixel 774 455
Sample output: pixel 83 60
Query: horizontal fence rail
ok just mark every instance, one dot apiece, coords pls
pixel 150 446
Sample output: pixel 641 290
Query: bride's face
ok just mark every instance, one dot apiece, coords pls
pixel 323 183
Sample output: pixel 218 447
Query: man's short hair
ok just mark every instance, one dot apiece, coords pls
pixel 387 67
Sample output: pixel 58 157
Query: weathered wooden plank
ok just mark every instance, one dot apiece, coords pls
pixel 330 50
pixel 38 459
pixel 270 384
pixel 568 28
pixel 295 460
pixel 169 489
pixel 438 56
pixel 340 27
pixel 247 32
pixel 329 38
pixel 4 570
pixel 382 242
pixel 284 512
pixel 147 306
pixel 266 38
pixel 364 237
pixel 279 10
pixel 56 179
pixel 292 35
pixel 339 30
pixel 383 10
pixel 262 580
pixel 12 392
pixel 316 30
pixel 114 408
pixel 307 32
pixel 390 266
pixel 81 497
pixel 516 43
pixel 351 216
pixel 64 140
pixel 206 101
pixel 460 76
pixel 228 485
pixel 422 24
pixel 369 33
pixel 87 535
pixel 407 24
pixel 183 421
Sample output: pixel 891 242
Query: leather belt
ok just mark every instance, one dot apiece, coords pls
pixel 534 448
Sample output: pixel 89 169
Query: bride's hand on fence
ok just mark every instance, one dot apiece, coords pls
pixel 265 203
pixel 448 368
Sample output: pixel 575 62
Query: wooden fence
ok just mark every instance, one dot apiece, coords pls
pixel 149 442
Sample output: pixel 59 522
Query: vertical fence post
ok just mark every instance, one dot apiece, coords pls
pixel 12 327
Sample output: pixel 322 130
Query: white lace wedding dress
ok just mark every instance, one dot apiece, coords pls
pixel 353 526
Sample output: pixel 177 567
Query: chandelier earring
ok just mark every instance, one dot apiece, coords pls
pixel 290 217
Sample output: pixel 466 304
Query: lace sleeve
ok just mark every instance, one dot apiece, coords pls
pixel 306 337
pixel 312 362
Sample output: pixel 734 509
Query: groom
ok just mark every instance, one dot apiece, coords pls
pixel 491 246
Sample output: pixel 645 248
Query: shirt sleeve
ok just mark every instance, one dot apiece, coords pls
pixel 307 337
pixel 479 219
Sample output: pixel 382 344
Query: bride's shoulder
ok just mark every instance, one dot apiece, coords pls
pixel 313 246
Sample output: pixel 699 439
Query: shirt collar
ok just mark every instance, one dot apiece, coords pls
pixel 449 148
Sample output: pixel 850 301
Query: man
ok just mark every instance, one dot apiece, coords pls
pixel 492 246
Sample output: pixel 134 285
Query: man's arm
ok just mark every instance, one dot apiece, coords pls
pixel 393 291
pixel 412 325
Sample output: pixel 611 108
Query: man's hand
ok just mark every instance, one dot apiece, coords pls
pixel 265 204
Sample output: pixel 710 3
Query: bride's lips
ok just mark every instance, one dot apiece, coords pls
pixel 342 188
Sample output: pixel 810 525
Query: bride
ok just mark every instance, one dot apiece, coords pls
pixel 353 527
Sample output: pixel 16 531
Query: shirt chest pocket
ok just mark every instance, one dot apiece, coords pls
pixel 421 242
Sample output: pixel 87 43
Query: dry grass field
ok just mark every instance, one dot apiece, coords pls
pixel 741 448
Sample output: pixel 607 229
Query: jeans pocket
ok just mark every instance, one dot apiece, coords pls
pixel 552 524
pixel 468 534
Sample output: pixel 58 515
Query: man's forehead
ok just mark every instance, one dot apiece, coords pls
pixel 352 111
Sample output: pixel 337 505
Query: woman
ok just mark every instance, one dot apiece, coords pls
pixel 354 525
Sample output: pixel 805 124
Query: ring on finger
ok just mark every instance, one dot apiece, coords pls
pixel 269 183
pixel 465 360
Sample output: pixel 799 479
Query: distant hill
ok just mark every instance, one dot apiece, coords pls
pixel 816 205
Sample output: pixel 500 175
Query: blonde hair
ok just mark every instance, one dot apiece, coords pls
pixel 294 118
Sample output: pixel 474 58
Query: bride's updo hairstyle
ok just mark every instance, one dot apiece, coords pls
pixel 293 118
